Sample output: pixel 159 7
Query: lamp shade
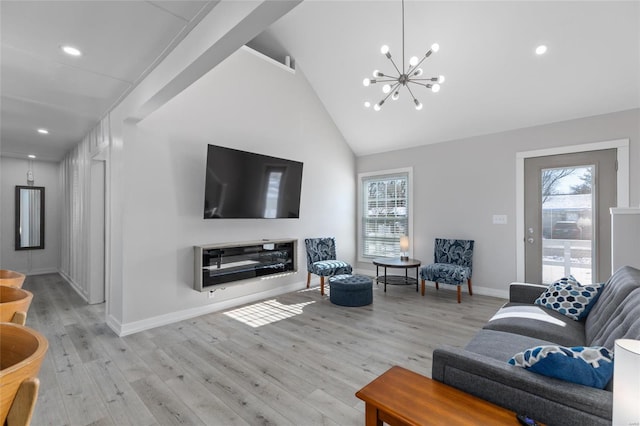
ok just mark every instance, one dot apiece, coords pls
pixel 626 382
pixel 404 243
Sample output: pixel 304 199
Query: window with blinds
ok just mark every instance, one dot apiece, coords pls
pixel 385 214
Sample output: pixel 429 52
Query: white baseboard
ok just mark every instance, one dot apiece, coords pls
pixel 114 324
pixel 126 329
pixel 485 291
pixel 41 271
pixel 74 285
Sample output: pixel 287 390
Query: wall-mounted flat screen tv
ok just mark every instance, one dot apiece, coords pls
pixel 245 185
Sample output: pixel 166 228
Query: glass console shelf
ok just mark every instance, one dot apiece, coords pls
pixel 223 263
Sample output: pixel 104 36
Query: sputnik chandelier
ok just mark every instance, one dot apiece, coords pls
pixel 410 75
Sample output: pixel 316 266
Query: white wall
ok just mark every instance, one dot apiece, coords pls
pixel 277 114
pixel 459 185
pixel 14 172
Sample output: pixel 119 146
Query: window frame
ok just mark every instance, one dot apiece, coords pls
pixel 381 174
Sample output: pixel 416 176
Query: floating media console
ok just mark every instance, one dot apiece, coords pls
pixel 222 263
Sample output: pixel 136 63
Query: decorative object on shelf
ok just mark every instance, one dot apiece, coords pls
pixel 404 248
pixel 626 382
pixel 412 74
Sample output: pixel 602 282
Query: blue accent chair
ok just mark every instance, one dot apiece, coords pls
pixel 321 260
pixel 452 264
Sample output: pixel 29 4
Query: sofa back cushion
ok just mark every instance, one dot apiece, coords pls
pixel 616 313
pixel 623 324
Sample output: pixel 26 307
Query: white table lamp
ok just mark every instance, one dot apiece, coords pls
pixel 404 247
pixel 626 382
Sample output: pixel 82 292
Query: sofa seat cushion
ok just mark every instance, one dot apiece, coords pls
pixel 500 345
pixel 538 322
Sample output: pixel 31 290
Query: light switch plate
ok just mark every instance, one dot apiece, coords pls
pixel 499 219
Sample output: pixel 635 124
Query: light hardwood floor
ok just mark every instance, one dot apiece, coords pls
pixel 216 369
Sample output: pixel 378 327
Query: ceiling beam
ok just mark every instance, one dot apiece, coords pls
pixel 247 27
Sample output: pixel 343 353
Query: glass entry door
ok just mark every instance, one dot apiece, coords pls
pixel 567 224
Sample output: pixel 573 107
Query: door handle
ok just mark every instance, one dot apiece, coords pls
pixel 530 240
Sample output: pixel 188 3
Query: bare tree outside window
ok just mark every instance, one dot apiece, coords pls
pixel 551 178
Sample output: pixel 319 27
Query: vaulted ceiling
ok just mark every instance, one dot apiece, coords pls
pixel 494 79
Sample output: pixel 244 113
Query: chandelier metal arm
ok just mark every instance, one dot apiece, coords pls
pixel 394 64
pixel 383 81
pixel 419 63
pixel 428 86
pixel 434 79
pixel 385 98
pixel 409 89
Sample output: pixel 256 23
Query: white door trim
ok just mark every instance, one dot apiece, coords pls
pixel 622 145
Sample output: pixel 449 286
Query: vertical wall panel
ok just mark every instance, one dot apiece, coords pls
pixel 75 178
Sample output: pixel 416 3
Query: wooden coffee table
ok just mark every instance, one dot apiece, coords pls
pixel 402 397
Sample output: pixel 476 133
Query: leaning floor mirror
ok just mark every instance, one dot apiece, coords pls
pixel 29 217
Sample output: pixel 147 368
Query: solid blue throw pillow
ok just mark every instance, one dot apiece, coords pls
pixel 570 298
pixel 589 366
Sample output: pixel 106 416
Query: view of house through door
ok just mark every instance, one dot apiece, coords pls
pixel 567 223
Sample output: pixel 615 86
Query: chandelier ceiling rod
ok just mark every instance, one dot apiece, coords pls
pixel 410 74
pixel 402 35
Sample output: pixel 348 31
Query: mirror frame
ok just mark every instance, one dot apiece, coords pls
pixel 40 189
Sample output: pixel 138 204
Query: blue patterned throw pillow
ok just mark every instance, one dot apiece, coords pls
pixel 570 298
pixel 589 366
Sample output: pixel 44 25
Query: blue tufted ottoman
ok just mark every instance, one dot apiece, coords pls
pixel 351 290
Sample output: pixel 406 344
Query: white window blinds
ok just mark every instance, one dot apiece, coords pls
pixel 385 214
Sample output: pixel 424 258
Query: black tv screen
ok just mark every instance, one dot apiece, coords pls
pixel 245 185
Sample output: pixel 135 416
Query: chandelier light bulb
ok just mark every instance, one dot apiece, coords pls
pixel 418 104
pixel 441 79
pixel 541 50
pixel 367 104
pixel 384 49
pixel 386 88
pixel 395 95
pixel 418 72
pixel 376 107
pixel 366 82
pixel 413 61
pixel 375 73
pixel 435 47
pixel 435 88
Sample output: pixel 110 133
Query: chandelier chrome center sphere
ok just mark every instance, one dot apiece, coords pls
pixel 411 74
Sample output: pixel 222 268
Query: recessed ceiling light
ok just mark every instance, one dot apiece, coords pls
pixel 31 156
pixel 43 131
pixel 70 50
pixel 541 50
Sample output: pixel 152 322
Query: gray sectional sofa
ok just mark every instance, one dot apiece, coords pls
pixel 481 367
